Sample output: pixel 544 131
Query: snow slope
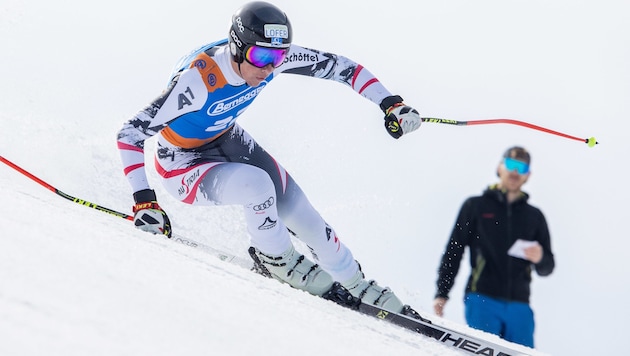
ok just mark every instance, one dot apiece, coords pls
pixel 75 281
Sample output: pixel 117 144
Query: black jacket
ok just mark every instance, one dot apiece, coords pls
pixel 489 226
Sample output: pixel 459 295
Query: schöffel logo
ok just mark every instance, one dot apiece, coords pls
pixel 299 57
pixel 232 102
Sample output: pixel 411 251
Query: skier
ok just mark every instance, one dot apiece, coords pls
pixel 203 157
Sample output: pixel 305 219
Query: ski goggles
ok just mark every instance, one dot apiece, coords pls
pixel 261 56
pixel 514 165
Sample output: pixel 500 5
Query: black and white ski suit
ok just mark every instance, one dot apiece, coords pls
pixel 205 158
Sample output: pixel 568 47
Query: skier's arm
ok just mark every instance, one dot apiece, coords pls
pixel 186 87
pixel 153 118
pixel 148 215
pixel 399 118
pixel 325 65
pixel 131 139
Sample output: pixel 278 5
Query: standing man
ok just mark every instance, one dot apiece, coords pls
pixel 507 238
pixel 204 158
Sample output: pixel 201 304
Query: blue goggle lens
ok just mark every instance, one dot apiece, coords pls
pixel 514 165
pixel 261 56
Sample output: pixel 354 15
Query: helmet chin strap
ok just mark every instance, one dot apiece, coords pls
pixel 239 60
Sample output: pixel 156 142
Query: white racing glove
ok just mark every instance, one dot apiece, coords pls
pixel 147 214
pixel 400 119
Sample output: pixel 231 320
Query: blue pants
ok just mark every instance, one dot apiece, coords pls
pixel 512 321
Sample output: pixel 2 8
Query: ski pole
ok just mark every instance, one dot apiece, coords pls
pixel 62 194
pixel 183 240
pixel 591 142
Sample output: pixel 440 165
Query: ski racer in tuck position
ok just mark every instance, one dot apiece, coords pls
pixel 203 157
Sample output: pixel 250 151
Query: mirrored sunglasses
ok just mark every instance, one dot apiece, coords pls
pixel 261 56
pixel 514 165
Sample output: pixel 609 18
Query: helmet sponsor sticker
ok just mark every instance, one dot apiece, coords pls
pixel 236 39
pixel 239 23
pixel 276 31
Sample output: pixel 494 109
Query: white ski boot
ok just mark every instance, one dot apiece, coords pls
pixel 371 293
pixel 293 268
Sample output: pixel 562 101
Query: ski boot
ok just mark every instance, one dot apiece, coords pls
pixel 293 268
pixel 371 293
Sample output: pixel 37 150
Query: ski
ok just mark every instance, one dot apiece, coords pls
pixel 451 338
pixel 223 256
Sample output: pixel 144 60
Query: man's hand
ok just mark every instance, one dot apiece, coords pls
pixel 400 119
pixel 148 216
pixel 534 253
pixel 438 306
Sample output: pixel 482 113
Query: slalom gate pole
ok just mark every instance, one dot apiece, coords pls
pixel 591 142
pixel 183 240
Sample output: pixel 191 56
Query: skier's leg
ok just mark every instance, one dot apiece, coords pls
pixel 302 218
pixel 210 176
pixel 272 250
pixel 292 210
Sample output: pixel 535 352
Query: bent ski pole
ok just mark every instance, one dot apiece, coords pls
pixel 591 142
pixel 183 240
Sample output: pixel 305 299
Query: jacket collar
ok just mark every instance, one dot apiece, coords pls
pixel 493 191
